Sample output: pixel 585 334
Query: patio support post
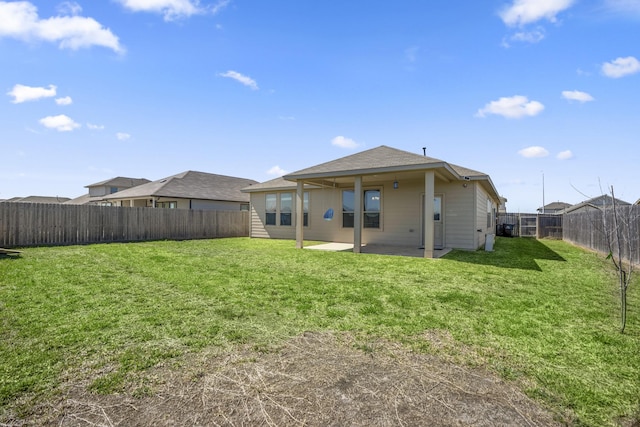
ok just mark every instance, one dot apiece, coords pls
pixel 357 215
pixel 429 194
pixel 299 214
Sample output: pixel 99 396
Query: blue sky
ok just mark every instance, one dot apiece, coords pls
pixel 518 89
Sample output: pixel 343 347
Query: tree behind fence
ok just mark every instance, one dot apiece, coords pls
pixel 586 229
pixel 36 224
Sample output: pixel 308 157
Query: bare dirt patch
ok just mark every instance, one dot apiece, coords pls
pixel 315 379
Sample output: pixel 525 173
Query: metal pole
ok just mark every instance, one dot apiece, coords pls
pixel 542 192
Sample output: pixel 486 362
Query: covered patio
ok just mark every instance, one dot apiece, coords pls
pixel 378 249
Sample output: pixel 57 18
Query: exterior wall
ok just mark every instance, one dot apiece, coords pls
pixel 218 205
pixel 401 215
pixel 484 207
pixel 459 215
pixel 97 191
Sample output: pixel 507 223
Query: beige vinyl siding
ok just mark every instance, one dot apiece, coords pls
pixel 401 222
pixel 217 205
pixel 481 218
pixel 459 213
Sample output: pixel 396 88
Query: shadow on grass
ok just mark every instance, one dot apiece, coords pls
pixel 518 252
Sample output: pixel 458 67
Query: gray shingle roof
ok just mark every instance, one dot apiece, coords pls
pixel 381 158
pixel 120 181
pixel 190 185
pixel 39 199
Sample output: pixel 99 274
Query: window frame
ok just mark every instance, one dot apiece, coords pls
pixel 306 204
pixel 167 204
pixel 285 215
pixel 270 215
pixel 350 214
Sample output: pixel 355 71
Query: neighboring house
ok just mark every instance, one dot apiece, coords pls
pixel 554 208
pixel 502 207
pixel 100 189
pixel 187 190
pixel 39 199
pixel 378 196
pixel 595 203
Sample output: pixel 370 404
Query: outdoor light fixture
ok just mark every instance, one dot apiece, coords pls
pixel 395 184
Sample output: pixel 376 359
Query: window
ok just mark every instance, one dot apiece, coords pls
pixel 286 205
pixel 437 208
pixel 270 208
pixel 167 205
pixel 489 212
pixel 305 209
pixel 113 190
pixel 371 209
pixel 347 208
pixel 244 206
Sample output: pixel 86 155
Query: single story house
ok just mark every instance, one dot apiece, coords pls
pixel 604 201
pixel 378 196
pixel 103 188
pixel 187 190
pixel 553 208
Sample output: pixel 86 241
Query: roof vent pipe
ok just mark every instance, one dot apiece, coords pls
pixel 424 151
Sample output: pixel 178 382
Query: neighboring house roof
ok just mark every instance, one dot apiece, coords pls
pixel 379 160
pixel 190 185
pixel 596 202
pixel 39 199
pixel 554 206
pixel 120 181
pixel 82 200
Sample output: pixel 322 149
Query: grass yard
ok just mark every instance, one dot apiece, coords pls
pixel 543 314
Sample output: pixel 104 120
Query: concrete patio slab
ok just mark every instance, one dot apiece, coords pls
pixel 411 251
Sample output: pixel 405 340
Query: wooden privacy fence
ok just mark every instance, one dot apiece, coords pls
pixel 36 224
pixel 587 229
pixel 531 225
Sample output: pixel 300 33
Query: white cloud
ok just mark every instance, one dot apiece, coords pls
pixel 247 81
pixel 20 20
pixel 514 107
pixel 621 67
pixel 534 36
pixel 122 136
pixel 22 93
pixel 173 9
pixel 60 123
pixel 276 171
pixel 69 8
pixel 523 12
pixel 92 126
pixel 343 142
pixel 565 155
pixel 576 95
pixel 64 101
pixel 532 152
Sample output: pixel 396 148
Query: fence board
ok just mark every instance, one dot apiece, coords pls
pixel 38 224
pixel 587 229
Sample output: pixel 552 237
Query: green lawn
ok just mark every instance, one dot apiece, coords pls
pixel 542 313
